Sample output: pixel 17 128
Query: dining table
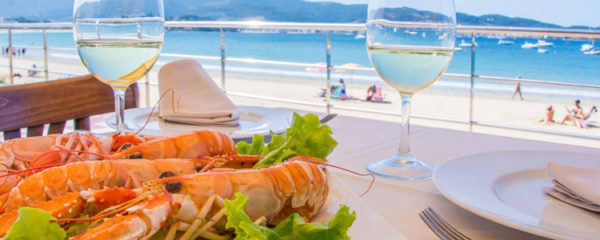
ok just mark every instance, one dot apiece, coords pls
pixel 398 202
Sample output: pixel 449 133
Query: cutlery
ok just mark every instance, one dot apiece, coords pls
pixel 328 117
pixel 440 227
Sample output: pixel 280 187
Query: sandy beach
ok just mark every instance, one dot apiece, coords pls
pixel 487 108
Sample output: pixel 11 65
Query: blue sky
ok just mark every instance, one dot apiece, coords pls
pixel 562 12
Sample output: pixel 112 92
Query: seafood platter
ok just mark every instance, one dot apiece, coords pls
pixel 197 185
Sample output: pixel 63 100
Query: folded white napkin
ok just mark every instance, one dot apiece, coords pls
pixel 195 97
pixel 575 185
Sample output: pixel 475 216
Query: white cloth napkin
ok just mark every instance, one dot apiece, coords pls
pixel 575 185
pixel 195 97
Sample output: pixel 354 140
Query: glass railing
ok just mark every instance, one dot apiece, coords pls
pixel 466 78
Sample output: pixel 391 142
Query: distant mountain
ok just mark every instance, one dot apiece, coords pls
pixel 267 10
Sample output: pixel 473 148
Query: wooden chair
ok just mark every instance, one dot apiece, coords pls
pixel 33 105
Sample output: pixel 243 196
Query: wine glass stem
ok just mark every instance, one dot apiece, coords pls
pixel 405 126
pixel 120 111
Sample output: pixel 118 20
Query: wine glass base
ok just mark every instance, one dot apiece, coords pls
pixel 401 166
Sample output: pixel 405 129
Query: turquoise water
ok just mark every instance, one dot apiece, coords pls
pixel 564 62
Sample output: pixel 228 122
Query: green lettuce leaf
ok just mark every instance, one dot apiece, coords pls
pixel 256 148
pixel 291 228
pixel 306 136
pixel 244 227
pixel 35 224
pixel 295 228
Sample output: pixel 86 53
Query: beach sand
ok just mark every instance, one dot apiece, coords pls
pixel 487 108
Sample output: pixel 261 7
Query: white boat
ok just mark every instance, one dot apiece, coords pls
pixel 464 44
pixel 542 43
pixel 504 42
pixel 528 45
pixel 410 32
pixel 542 50
pixel 592 52
pixel 586 47
pixel 360 36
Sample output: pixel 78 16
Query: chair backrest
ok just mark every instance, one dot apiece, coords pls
pixel 54 102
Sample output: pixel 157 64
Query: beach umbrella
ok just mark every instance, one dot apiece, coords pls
pixel 349 65
pixel 317 69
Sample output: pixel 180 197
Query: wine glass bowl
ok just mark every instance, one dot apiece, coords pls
pixel 118 41
pixel 410 44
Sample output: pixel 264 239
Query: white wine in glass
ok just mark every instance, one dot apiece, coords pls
pixel 410 44
pixel 136 58
pixel 118 41
pixel 410 68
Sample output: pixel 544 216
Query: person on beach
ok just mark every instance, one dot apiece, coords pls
pixel 577 115
pixel 371 91
pixel 33 71
pixel 518 89
pixel 343 86
pixel 340 91
pixel 549 117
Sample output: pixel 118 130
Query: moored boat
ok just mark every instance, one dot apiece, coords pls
pixel 504 42
pixel 528 45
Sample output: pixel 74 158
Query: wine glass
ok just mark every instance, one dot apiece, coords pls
pixel 410 44
pixel 118 41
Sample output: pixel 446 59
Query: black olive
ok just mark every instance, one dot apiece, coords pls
pixel 124 146
pixel 166 174
pixel 173 187
pixel 136 155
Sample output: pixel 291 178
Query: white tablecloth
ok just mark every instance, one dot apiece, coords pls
pixel 399 202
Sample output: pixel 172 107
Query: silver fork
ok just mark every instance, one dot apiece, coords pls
pixel 440 227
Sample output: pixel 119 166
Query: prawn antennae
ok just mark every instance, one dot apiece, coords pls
pixel 154 108
pixel 32 169
pixel 51 165
pixel 347 170
pixel 5 200
pixel 88 219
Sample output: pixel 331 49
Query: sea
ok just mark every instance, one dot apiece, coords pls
pixel 563 62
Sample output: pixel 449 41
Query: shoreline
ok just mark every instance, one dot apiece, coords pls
pixel 496 108
pixel 445 84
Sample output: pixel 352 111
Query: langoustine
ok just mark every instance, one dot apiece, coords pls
pixel 38 152
pixel 55 182
pixel 76 176
pixel 195 204
pixel 274 193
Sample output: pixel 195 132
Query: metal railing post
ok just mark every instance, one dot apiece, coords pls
pixel 328 61
pixel 97 28
pixel 147 83
pixel 223 59
pixel 10 56
pixel 46 55
pixel 472 82
pixel 139 30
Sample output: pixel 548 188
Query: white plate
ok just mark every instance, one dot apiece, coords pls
pixel 254 120
pixel 368 224
pixel 506 187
